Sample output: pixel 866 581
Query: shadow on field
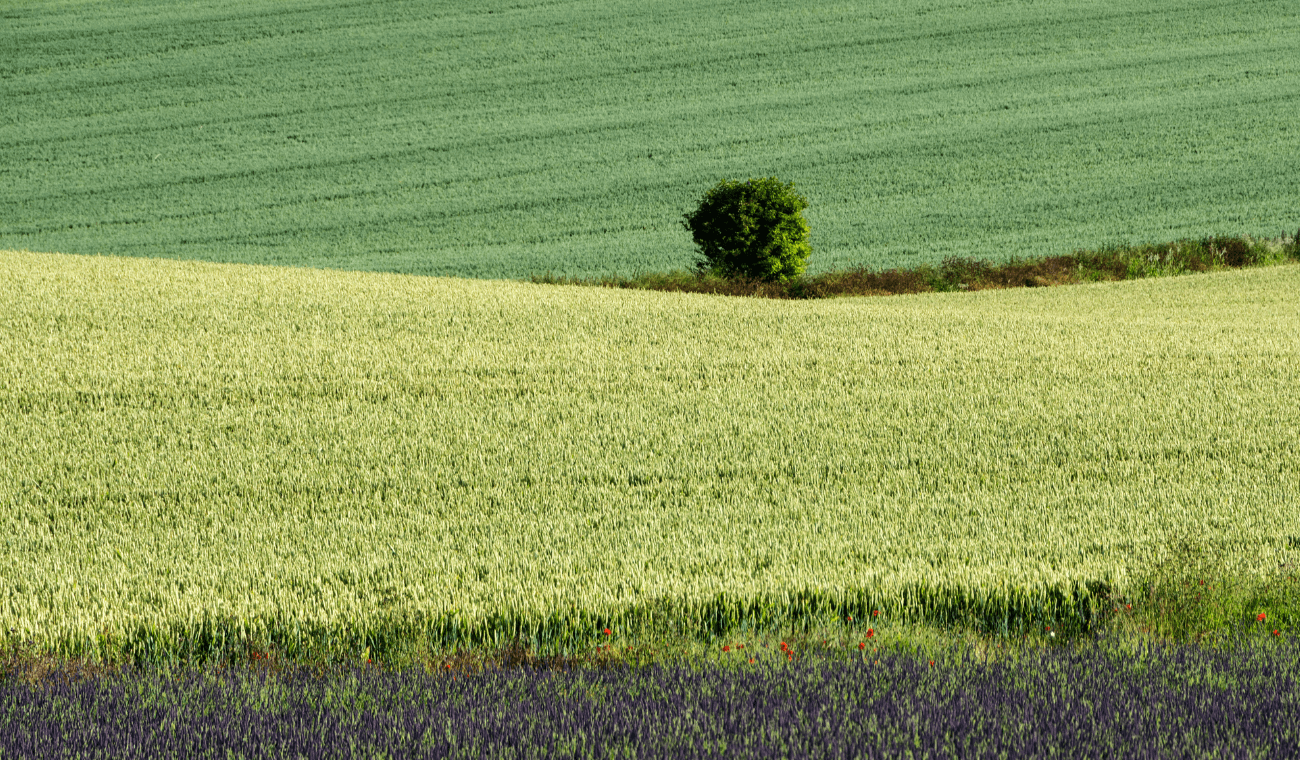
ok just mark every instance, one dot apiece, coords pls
pixel 1194 593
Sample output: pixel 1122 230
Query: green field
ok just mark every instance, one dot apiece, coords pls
pixel 499 139
pixel 207 451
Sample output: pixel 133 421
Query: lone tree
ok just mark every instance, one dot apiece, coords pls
pixel 753 229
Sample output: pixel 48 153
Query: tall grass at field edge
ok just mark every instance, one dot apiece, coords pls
pixel 1111 263
pixel 1189 597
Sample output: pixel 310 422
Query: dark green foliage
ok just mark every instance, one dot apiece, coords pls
pixel 1116 262
pixel 753 229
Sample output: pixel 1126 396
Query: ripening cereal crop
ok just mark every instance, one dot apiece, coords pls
pixel 199 452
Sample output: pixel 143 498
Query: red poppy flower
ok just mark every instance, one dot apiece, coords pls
pixel 850 618
pixel 1261 617
pixel 607 632
pixel 871 632
pixel 875 612
pixel 1274 631
pixel 862 645
pixel 726 649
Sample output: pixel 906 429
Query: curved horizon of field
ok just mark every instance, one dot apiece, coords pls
pixel 504 140
pixel 196 453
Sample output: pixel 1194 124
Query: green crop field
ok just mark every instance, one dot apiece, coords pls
pixel 197 450
pixel 498 139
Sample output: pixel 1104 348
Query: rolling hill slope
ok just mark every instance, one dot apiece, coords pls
pixel 500 139
pixel 194 449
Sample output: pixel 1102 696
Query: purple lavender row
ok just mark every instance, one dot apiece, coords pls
pixel 1163 703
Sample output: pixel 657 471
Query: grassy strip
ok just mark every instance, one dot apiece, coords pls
pixel 1112 263
pixel 1190 597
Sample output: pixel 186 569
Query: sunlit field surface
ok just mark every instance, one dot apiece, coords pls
pixel 193 453
pixel 500 139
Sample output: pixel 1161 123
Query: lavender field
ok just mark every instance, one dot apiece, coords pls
pixel 1154 701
